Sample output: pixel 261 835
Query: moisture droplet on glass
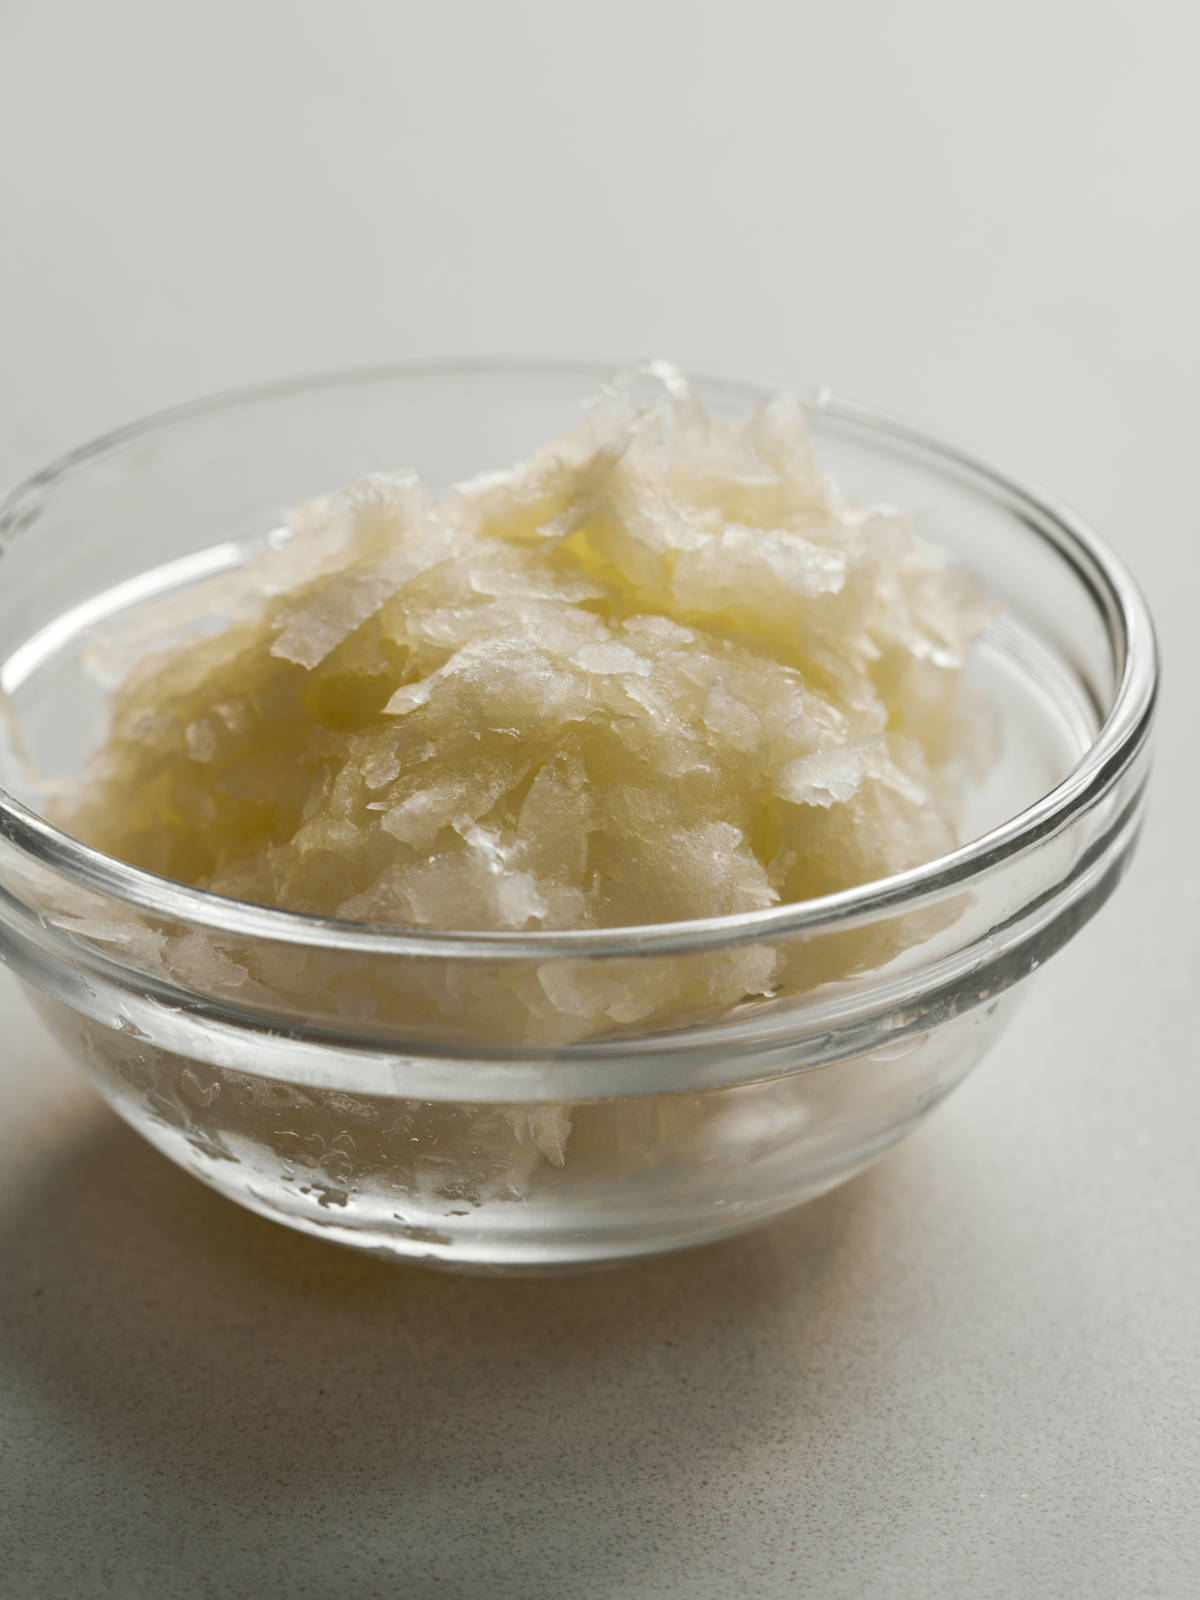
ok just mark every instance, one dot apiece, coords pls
pixel 200 1094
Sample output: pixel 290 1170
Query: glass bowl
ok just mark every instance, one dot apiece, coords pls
pixel 444 1126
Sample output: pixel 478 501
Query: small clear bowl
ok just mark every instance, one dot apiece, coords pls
pixel 230 1035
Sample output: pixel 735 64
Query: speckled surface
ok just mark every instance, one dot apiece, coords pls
pixel 973 1370
pixel 976 1370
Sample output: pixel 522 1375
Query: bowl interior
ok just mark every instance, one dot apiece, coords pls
pixel 167 506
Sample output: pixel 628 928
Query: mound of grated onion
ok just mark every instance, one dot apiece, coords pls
pixel 662 670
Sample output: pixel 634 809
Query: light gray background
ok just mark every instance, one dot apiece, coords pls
pixel 973 1372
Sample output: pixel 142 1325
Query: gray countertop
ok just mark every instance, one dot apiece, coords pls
pixel 973 1371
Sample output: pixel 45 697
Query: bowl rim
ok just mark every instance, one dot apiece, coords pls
pixel 1119 741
